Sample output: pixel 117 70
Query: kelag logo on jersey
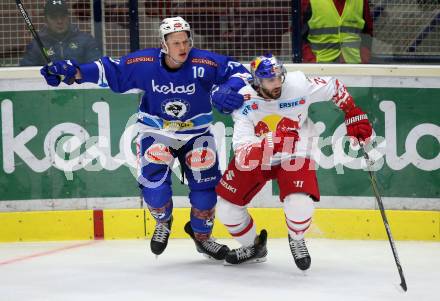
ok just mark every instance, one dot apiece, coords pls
pixel 165 89
pixel 292 103
pixel 175 107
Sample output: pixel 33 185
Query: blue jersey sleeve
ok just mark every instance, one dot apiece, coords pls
pixel 231 72
pixel 109 72
pixel 121 74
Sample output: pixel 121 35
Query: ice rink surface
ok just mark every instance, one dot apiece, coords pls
pixel 126 270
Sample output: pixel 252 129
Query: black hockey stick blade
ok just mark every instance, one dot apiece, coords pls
pixel 384 217
pixel 31 28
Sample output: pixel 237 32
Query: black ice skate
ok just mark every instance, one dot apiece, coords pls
pixel 252 254
pixel 208 247
pixel 300 253
pixel 160 237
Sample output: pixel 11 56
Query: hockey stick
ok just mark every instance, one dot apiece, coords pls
pixel 384 217
pixel 31 28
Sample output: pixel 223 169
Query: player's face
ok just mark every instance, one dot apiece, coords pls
pixel 179 45
pixel 58 23
pixel 271 87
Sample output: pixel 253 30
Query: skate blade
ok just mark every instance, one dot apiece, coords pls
pixel 210 257
pixel 257 260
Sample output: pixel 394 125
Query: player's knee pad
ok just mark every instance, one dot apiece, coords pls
pixel 237 220
pixel 203 199
pixel 230 214
pixel 157 197
pixel 298 208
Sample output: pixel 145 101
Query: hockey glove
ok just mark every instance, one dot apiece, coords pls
pixel 51 79
pixel 65 70
pixel 226 100
pixel 358 125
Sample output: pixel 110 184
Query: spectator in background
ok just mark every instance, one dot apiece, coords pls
pixel 336 31
pixel 62 39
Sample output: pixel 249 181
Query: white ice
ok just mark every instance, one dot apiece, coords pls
pixel 126 270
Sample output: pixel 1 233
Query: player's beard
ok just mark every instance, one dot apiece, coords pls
pixel 273 94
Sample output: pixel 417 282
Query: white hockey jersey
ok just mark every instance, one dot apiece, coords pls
pixel 258 116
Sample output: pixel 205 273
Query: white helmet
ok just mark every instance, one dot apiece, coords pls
pixel 170 25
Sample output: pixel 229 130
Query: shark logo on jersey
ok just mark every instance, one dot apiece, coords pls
pixel 165 89
pixel 175 107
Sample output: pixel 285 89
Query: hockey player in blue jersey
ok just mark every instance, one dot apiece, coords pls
pixel 179 83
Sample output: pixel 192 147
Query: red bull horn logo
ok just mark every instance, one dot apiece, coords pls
pixel 270 123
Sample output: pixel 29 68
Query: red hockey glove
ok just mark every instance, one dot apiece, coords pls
pixel 358 125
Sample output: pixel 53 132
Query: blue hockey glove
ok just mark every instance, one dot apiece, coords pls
pixel 226 100
pixel 51 79
pixel 65 70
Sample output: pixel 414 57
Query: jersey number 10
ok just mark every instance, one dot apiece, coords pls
pixel 198 71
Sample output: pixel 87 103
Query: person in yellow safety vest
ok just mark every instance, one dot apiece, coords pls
pixel 336 31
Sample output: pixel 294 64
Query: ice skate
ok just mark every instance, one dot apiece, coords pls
pixel 300 253
pixel 252 254
pixel 160 237
pixel 208 247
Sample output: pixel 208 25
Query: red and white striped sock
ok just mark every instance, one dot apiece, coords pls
pixel 237 220
pixel 298 209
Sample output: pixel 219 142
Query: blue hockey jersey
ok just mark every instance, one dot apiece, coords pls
pixel 174 101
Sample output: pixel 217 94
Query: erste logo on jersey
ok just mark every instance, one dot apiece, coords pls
pixel 201 158
pixel 253 106
pixel 175 107
pixel 165 89
pixel 291 103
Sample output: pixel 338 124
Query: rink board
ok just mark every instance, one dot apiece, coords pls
pixel 70 147
pixel 37 121
pixel 138 224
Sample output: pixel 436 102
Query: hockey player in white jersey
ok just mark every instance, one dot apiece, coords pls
pixel 271 139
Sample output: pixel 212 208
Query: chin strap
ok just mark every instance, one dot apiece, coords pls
pixel 174 61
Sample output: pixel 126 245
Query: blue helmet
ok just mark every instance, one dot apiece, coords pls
pixel 266 66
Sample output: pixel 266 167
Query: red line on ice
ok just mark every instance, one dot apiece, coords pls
pixel 50 252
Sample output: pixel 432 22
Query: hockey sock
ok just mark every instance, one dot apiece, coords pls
pixel 202 222
pixel 298 209
pixel 163 213
pixel 238 222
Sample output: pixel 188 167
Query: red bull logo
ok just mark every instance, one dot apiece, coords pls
pixel 271 122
